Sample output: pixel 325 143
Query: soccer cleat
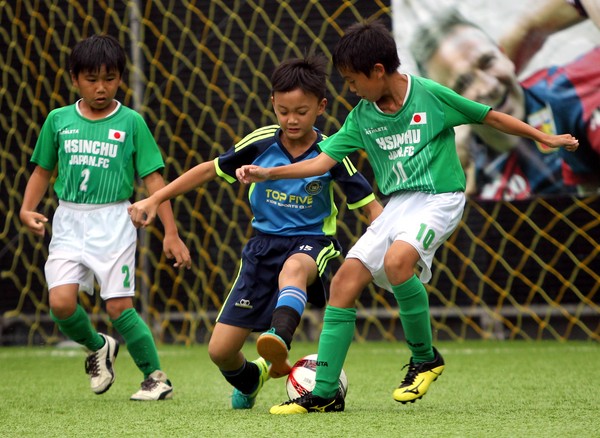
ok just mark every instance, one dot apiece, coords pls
pixel 310 403
pixel 418 378
pixel 99 365
pixel 239 400
pixel 274 350
pixel 155 387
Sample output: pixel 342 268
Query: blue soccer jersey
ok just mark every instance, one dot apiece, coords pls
pixel 566 99
pixel 292 207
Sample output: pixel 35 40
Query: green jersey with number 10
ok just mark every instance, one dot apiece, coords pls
pixel 97 159
pixel 413 149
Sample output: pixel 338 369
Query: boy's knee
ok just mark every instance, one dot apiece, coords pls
pixel 116 306
pixel 220 356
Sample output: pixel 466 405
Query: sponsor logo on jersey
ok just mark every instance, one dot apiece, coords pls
pixel 369 131
pixel 68 131
pixel 419 119
pixel 288 200
pixel 113 134
pixel 244 303
pixel 313 187
pixel 543 120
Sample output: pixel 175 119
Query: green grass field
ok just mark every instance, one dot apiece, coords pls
pixel 489 389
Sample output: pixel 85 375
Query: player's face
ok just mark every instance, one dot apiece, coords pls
pixel 98 89
pixel 468 62
pixel 365 87
pixel 296 113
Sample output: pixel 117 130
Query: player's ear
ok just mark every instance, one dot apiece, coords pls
pixel 378 70
pixel 322 106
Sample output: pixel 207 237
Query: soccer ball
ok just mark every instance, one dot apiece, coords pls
pixel 301 379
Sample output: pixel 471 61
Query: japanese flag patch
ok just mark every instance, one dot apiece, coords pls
pixel 113 134
pixel 419 119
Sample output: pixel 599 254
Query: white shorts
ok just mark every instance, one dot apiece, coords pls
pixel 93 241
pixel 421 219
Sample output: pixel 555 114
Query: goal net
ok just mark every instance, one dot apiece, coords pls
pixel 198 72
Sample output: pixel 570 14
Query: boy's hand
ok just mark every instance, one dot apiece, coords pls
pixel 566 141
pixel 34 221
pixel 143 212
pixel 250 174
pixel 174 247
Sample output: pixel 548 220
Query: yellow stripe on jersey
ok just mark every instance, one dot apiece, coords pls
pixel 328 253
pixel 257 135
pixel 237 277
pixel 349 166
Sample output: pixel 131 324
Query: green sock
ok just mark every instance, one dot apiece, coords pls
pixel 78 328
pixel 336 336
pixel 139 340
pixel 414 315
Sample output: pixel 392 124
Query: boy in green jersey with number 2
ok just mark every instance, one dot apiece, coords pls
pixel 97 146
pixel 405 125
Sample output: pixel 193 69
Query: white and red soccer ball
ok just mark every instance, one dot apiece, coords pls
pixel 301 379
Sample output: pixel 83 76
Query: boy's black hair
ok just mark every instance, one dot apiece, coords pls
pixel 90 54
pixel 365 44
pixel 308 74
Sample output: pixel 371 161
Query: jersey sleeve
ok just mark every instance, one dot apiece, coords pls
pixel 45 153
pixel 344 142
pixel 243 152
pixel 148 157
pixel 458 109
pixel 227 163
pixel 355 186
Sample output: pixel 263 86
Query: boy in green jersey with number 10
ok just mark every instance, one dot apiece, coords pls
pixel 405 125
pixel 97 146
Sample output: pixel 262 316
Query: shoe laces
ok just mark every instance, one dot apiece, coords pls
pixel 303 399
pixel 92 366
pixel 411 374
pixel 149 384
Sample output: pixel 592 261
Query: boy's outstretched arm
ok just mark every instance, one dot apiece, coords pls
pixel 372 210
pixel 315 166
pixel 143 212
pixel 34 192
pixel 511 125
pixel 173 246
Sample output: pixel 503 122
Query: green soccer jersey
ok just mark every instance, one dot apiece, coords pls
pixel 413 149
pixel 97 159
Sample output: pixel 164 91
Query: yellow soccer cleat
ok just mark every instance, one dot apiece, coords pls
pixel 418 378
pixel 310 403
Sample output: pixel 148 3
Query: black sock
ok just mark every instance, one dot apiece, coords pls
pixel 285 321
pixel 244 379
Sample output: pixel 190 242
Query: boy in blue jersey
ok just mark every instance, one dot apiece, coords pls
pixel 405 124
pixel 283 264
pixel 98 146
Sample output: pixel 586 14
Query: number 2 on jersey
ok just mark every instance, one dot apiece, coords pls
pixel 85 176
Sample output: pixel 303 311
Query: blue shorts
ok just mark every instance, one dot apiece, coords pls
pixel 254 294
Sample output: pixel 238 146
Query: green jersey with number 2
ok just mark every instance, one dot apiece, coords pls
pixel 97 159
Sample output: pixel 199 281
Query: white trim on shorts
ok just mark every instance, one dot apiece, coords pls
pixel 424 220
pixel 93 241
